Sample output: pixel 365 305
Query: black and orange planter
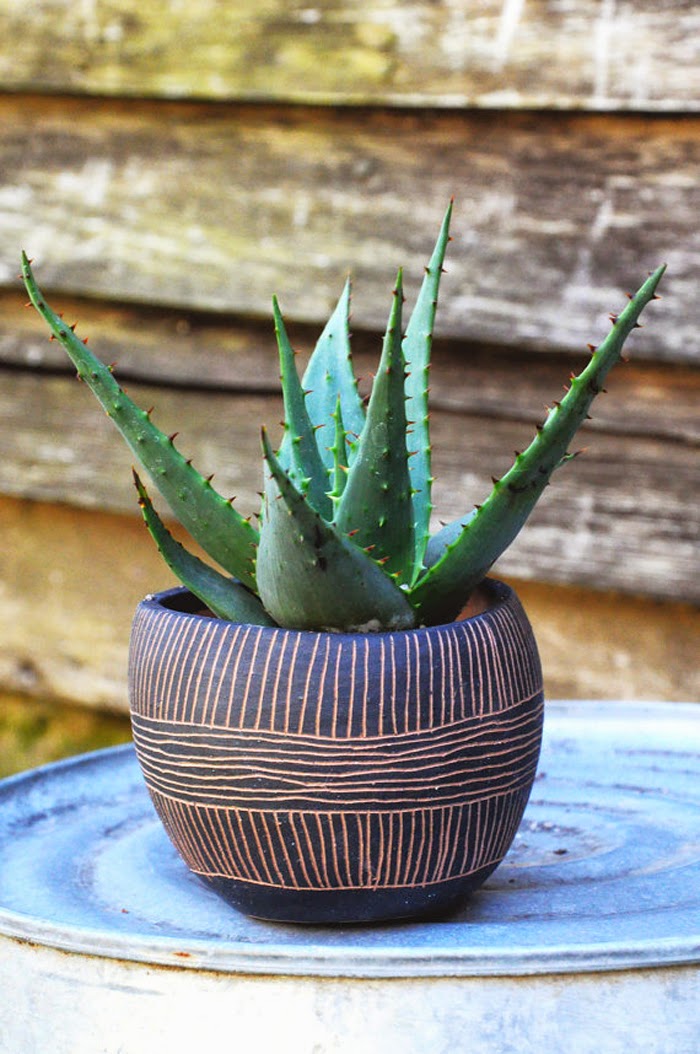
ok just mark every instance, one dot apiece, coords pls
pixel 330 777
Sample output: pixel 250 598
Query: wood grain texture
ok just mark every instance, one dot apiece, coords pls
pixel 70 580
pixel 492 53
pixel 204 352
pixel 215 208
pixel 623 516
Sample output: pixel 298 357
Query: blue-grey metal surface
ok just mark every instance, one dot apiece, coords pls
pixel 604 873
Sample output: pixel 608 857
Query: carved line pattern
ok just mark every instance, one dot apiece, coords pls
pixel 241 768
pixel 340 850
pixel 274 759
pixel 265 680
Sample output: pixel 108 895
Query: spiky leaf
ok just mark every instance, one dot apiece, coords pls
pixel 339 453
pixel 444 588
pixel 223 596
pixel 310 577
pixel 376 504
pixel 222 532
pixel 299 452
pixel 417 346
pixel 329 376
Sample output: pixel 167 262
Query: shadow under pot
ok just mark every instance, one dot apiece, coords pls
pixel 332 777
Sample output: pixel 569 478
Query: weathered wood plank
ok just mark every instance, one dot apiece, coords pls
pixel 70 579
pixel 69 582
pixel 624 516
pixel 492 53
pixel 216 208
pixel 204 352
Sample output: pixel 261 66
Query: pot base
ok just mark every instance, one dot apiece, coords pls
pixel 352 906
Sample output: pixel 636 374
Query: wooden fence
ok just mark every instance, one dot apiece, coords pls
pixel 170 166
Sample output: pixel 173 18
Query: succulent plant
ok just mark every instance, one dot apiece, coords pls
pixel 344 541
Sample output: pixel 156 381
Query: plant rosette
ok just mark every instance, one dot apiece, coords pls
pixel 322 735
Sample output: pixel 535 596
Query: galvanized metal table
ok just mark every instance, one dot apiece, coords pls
pixel 587 937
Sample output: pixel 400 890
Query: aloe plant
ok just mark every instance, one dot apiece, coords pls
pixel 344 542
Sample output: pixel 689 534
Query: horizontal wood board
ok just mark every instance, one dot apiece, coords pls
pixel 614 54
pixel 313 140
pixel 177 350
pixel 623 516
pixel 214 208
pixel 71 578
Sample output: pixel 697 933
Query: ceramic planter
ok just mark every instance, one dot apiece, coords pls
pixel 322 777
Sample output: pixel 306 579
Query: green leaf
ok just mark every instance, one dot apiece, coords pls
pixel 473 543
pixel 224 597
pixel 339 452
pixel 310 577
pixel 299 451
pixel 329 376
pixel 222 532
pixel 417 346
pixel 376 504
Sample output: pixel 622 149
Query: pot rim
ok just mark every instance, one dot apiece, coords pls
pixel 496 595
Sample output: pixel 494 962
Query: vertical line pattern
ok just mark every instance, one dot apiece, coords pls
pixel 366 683
pixel 351 690
pixel 309 853
pixel 204 676
pixel 382 693
pixel 336 693
pixel 188 671
pixel 257 637
pixel 307 684
pixel 415 688
pixel 272 856
pixel 234 672
pixel 212 682
pixel 408 694
pixel 261 692
pixel 346 847
pixel 202 669
pixel 460 674
pixel 449 672
pixel 467 668
pixel 322 689
pixel 443 694
pixel 249 847
pixel 276 683
pixel 392 684
pixel 162 694
pixel 326 882
pixel 170 628
pixel 361 866
pixel 290 682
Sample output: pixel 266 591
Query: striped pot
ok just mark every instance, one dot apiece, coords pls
pixel 323 777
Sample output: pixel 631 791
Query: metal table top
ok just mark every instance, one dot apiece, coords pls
pixel 604 873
